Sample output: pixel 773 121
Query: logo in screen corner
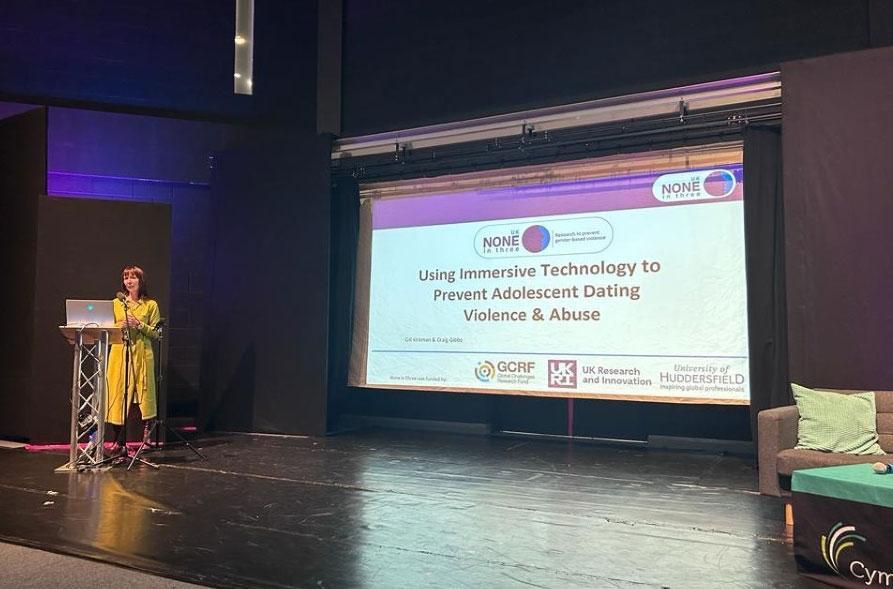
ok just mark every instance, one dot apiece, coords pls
pixel 719 183
pixel 694 185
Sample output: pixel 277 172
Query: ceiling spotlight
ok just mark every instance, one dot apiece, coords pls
pixel 237 75
pixel 240 40
pixel 249 83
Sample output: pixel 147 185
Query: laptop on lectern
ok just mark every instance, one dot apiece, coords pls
pixel 80 313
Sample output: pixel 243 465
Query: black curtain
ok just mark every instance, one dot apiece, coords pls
pixel 767 308
pixel 265 347
pixel 345 232
pixel 23 156
pixel 838 121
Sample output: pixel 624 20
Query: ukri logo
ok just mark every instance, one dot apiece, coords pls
pixel 563 374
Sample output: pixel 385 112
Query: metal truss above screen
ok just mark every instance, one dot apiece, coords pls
pixel 709 112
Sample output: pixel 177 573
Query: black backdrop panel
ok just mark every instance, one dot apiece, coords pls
pixel 22 179
pixel 266 342
pixel 838 125
pixel 82 246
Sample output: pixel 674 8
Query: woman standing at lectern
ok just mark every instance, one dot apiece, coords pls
pixel 137 315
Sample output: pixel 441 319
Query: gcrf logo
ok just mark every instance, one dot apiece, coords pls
pixel 485 371
pixel 506 372
pixel 510 366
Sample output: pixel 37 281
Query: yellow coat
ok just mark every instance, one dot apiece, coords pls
pixel 142 374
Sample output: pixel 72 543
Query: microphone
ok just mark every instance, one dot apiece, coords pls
pixel 881 468
pixel 121 296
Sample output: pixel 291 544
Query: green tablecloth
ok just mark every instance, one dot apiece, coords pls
pixel 853 482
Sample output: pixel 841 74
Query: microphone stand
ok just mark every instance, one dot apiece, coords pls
pixel 128 368
pixel 159 382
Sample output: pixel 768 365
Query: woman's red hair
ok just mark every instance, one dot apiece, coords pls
pixel 136 271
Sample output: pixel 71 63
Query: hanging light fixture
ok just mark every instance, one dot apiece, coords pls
pixel 243 64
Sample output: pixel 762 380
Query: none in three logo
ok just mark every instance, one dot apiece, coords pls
pixel 535 239
pixel 842 537
pixel 511 240
pixel 694 185
pixel 563 374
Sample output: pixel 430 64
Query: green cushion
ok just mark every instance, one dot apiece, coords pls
pixel 836 422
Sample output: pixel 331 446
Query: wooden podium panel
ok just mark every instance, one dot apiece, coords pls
pixel 90 335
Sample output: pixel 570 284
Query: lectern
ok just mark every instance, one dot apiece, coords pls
pixel 88 393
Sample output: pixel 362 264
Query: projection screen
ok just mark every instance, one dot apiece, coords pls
pixel 620 277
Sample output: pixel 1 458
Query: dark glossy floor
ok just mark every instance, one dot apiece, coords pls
pixel 407 509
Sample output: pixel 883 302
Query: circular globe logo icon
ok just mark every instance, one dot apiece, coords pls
pixel 719 183
pixel 485 371
pixel 535 239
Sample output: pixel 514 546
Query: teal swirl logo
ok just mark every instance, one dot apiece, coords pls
pixel 838 539
pixel 485 371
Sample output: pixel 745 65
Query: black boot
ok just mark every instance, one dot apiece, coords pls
pixel 148 429
pixel 120 447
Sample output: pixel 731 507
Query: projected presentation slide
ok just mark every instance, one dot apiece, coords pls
pixel 626 287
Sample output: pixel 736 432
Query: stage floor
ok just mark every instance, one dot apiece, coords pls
pixel 407 509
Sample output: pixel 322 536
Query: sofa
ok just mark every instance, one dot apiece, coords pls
pixel 777 436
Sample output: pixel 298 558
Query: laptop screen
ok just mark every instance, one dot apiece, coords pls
pixel 89 313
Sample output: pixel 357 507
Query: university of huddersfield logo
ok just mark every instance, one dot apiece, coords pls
pixel 838 539
pixel 485 371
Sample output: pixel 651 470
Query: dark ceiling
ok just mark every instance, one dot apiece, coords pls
pixel 408 63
